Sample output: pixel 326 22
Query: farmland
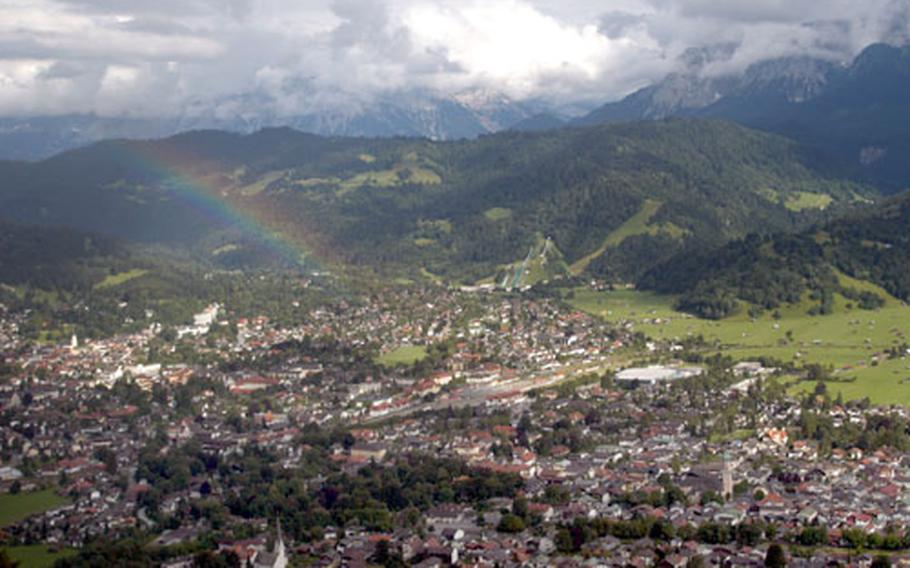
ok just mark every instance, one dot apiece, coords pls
pixel 852 341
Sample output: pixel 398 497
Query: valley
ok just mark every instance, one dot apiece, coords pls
pixel 866 350
pixel 454 284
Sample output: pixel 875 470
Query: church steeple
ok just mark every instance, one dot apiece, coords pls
pixel 727 477
pixel 279 540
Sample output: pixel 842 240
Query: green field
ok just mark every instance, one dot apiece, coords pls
pixel 120 278
pixel 497 213
pixel 37 555
pixel 804 200
pixel 410 170
pixel 406 354
pixel 262 183
pixel 635 225
pixel 14 508
pixel 799 200
pixel 852 341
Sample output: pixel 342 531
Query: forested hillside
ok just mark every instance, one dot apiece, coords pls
pixel 769 271
pixel 614 200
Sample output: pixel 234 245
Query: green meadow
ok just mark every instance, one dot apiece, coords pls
pixel 850 340
pixel 120 278
pixel 406 354
pixel 497 213
pixel 635 225
pixel 37 555
pixel 15 507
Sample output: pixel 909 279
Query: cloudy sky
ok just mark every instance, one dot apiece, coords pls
pixel 166 57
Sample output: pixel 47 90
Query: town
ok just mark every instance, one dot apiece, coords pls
pixel 432 426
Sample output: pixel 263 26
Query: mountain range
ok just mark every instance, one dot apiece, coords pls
pixel 852 113
pixel 420 114
pixel 757 188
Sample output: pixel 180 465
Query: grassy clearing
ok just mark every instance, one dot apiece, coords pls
pixel 797 201
pixel 635 225
pixel 545 262
pixel 497 214
pixel 316 182
pixel 14 508
pixel 120 278
pixel 390 178
pixel 443 225
pixel 804 200
pixel 770 194
pixel 406 354
pixel 434 278
pixel 411 170
pixel 866 286
pixel 262 183
pixel 38 555
pixel 852 341
pixel 670 229
pixel 225 249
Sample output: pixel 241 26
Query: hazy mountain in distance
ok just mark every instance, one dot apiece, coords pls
pixel 412 114
pixel 786 80
pixel 855 113
pixel 538 122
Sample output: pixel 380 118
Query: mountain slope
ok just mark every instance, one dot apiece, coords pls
pixel 853 113
pixel 461 210
pixel 872 245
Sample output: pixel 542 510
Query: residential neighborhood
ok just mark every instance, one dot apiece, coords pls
pixel 524 433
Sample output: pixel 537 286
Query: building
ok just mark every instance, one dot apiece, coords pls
pixel 657 374
pixel 277 558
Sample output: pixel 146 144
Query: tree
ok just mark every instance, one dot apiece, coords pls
pixel 382 552
pixel 520 507
pixel 564 542
pixel 511 524
pixel 881 561
pixel 814 536
pixel 6 561
pixel 775 557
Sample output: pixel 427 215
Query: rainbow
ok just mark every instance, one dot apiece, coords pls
pixel 182 175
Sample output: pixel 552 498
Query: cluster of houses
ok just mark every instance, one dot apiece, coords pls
pixel 76 418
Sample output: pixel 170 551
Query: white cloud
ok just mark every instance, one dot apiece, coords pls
pixel 510 43
pixel 162 57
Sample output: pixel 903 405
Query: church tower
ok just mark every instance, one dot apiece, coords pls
pixel 727 478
